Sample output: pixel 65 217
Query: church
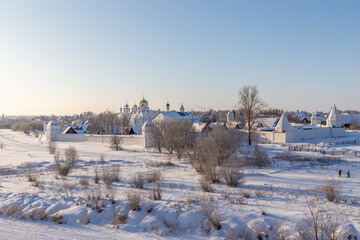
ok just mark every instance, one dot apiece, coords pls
pixel 138 115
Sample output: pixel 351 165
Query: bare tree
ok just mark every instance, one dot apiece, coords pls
pixel 179 135
pixel 156 133
pixel 124 122
pixel 115 142
pixel 250 107
pixel 71 155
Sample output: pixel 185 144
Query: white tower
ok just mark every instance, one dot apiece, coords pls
pixel 283 125
pixel 52 129
pixel 315 119
pixel 230 116
pixel 334 119
pixel 168 107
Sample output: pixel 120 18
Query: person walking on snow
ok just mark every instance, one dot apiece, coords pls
pixel 348 173
pixel 340 173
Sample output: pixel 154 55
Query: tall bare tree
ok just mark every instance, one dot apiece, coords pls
pixel 157 133
pixel 250 107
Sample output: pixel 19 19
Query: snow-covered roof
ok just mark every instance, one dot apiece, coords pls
pixel 177 115
pixel 52 123
pixel 199 127
pixel 334 118
pixel 283 123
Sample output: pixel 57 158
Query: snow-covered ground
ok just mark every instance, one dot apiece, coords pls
pixel 277 194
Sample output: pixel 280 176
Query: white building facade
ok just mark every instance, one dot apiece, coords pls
pixel 284 132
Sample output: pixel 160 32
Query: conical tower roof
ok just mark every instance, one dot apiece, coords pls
pixel 334 119
pixel 283 124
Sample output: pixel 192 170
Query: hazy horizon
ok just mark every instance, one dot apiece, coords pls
pixel 68 57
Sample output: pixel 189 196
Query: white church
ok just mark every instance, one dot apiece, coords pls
pixel 284 132
pixel 138 115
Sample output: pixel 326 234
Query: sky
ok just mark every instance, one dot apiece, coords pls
pixel 67 57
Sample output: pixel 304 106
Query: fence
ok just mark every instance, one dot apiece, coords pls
pixel 313 148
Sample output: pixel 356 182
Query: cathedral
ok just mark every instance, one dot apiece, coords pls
pixel 138 115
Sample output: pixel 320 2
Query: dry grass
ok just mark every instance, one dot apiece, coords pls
pixel 232 177
pixel 138 180
pixel 212 214
pixel 154 176
pixel 205 185
pixel 134 201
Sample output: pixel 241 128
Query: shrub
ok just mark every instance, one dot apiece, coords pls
pixel 96 177
pixel 205 185
pixel 318 223
pixel 261 158
pixel 332 189
pixel 119 219
pixel 156 194
pixel 115 173
pixel 62 167
pixel 212 214
pixel 38 214
pixel 84 181
pixel 137 180
pixel 102 159
pixel 13 209
pixel 154 176
pixel 115 142
pixel 107 178
pixel 30 173
pixel 211 174
pixel 1 145
pixel 134 201
pixel 71 155
pixel 232 177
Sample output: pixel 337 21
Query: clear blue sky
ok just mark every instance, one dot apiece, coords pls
pixel 65 57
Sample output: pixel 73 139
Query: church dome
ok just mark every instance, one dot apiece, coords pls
pixel 143 101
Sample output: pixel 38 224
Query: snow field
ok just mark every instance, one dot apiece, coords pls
pixel 272 199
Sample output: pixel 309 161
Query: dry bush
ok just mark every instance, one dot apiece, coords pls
pixel 38 214
pixel 232 177
pixel 71 155
pixel 115 142
pixel 134 201
pixel 259 193
pixel 205 185
pixel 115 173
pixel 30 173
pixel 62 167
pixel 67 188
pixel 261 158
pixel 96 177
pixel 156 193
pixel 1 145
pixel 157 164
pixel 52 147
pixel 107 178
pixel 172 225
pixel 212 214
pixel 212 174
pixel 318 223
pixel 13 209
pixel 84 182
pixel 332 189
pixel 154 176
pixel 119 219
pixel 138 180
pixel 102 159
pixel 58 218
